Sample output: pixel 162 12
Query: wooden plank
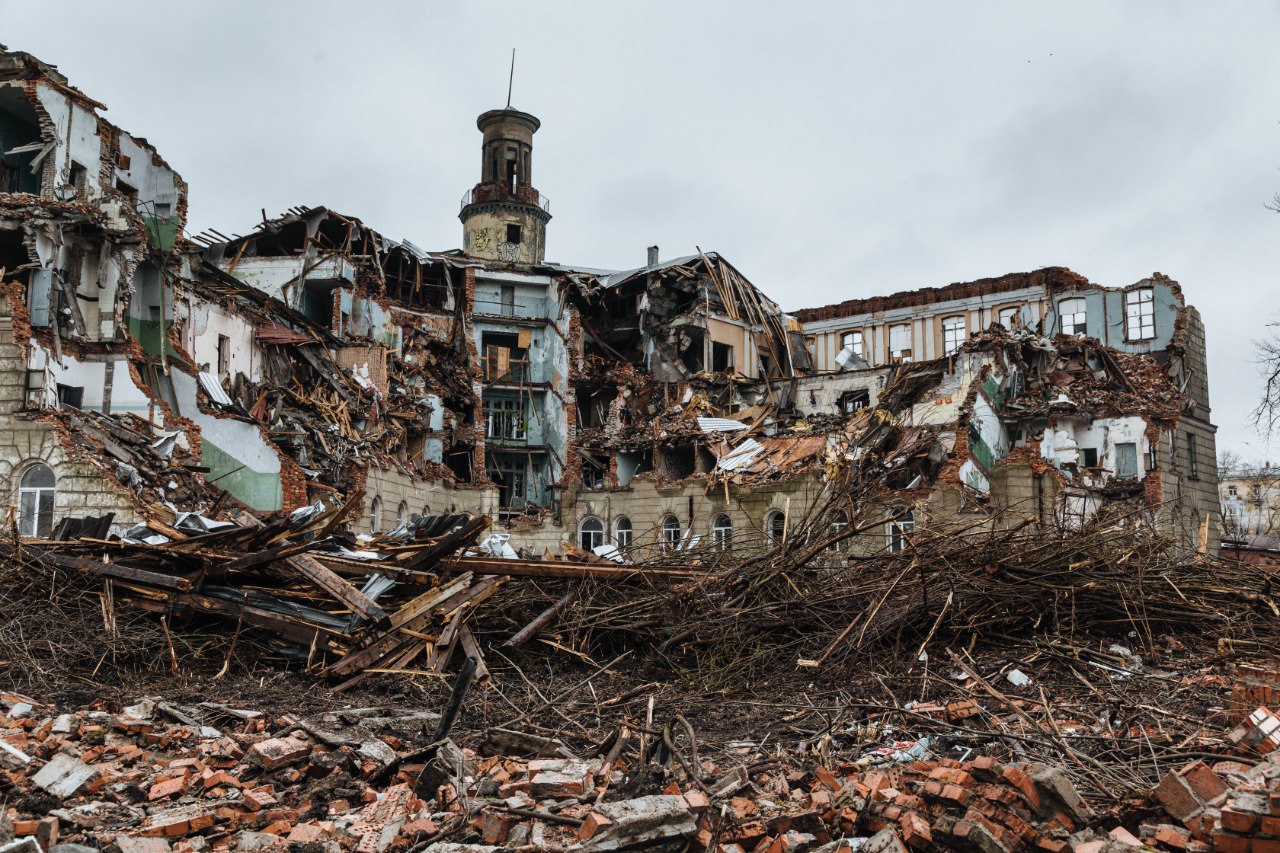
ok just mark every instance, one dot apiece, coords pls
pixel 531 569
pixel 115 570
pixel 337 586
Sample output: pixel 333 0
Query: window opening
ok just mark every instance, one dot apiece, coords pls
pixel 953 334
pixel 591 533
pixel 622 532
pixel 900 342
pixel 36 491
pixel 901 527
pixel 722 532
pixel 1071 317
pixel 1140 314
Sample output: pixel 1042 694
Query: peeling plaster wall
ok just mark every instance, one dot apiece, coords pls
pixel 78 138
pixel 206 323
pixel 1064 440
pixel 239 458
pixel 156 185
pixel 92 377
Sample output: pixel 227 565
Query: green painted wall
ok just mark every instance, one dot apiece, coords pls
pixel 254 488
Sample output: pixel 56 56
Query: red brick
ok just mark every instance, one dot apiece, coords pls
pixel 259 798
pixel 167 788
pixel 1172 836
pixel 1227 843
pixel 1269 825
pixel 915 831
pixel 278 752
pixel 1207 784
pixel 1241 822
pixel 592 825
pixel 1265 845
pixel 1178 798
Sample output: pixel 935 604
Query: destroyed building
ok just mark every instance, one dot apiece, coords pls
pixel 669 409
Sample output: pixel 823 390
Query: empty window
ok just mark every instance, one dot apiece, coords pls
pixel 901 526
pixel 505 419
pixel 402 512
pixel 839 524
pixel 591 533
pixel 1127 460
pixel 670 532
pixel 1139 314
pixel 513 178
pixel 852 401
pixel 721 357
pixel 1071 317
pixel 722 532
pixel 852 341
pixel 513 233
pixel 1193 462
pixel 953 334
pixel 622 532
pixel 1089 457
pixel 1007 314
pixel 35 501
pixel 70 396
pixel 127 190
pixel 375 514
pixel 900 342
pixel 775 525
pixel 78 177
pixel 224 357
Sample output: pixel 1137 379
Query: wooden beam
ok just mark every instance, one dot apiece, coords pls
pixel 337 586
pixel 115 570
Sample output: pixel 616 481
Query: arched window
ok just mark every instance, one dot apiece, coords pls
pixel 402 512
pixel 591 533
pixel 839 523
pixel 35 501
pixel 775 526
pixel 722 532
pixel 622 531
pixel 901 527
pixel 375 514
pixel 670 532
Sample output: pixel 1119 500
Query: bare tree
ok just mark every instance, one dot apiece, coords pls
pixel 1249 496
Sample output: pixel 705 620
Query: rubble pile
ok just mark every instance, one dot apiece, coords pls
pixel 157 776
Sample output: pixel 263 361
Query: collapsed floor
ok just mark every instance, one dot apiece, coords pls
pixel 993 691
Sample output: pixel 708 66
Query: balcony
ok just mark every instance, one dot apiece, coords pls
pixel 497 192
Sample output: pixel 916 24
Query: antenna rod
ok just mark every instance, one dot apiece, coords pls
pixel 512 78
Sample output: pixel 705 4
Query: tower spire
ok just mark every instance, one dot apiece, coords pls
pixel 511 79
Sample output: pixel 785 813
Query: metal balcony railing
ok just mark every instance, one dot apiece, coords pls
pixel 543 203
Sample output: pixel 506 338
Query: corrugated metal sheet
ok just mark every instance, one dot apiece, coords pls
pixel 214 389
pixel 720 425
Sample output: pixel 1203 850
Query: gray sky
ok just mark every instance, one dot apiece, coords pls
pixel 830 150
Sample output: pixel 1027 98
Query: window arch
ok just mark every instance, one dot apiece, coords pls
pixel 375 514
pixel 591 533
pixel 775 526
pixel 36 490
pixel 839 524
pixel 402 512
pixel 622 532
pixel 670 532
pixel 900 527
pixel 722 532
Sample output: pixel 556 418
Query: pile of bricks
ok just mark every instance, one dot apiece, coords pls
pixel 1231 806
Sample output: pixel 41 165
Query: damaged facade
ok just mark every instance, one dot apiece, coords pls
pixel 670 408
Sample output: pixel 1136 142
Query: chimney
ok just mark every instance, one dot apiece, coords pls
pixel 653 257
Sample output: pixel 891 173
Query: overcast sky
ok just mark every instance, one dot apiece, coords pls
pixel 829 150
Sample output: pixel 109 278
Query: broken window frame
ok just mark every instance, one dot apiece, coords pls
pixel 506 419
pixel 1006 315
pixel 1073 316
pixel 375 514
pixel 722 532
pixel 1139 314
pixel 900 334
pixel 775 526
pixel 854 338
pixel 855 400
pixel 590 533
pixel 622 532
pixel 898 529
pixel 671 532
pixel 37 491
pixel 839 523
pixel 954 333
